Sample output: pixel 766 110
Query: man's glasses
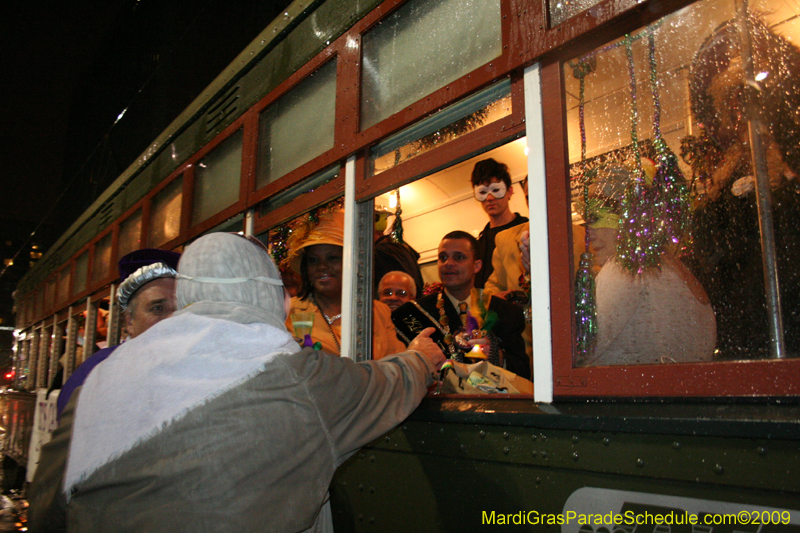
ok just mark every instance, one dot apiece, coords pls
pixel 402 293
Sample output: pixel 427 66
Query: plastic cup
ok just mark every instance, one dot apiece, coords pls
pixel 302 324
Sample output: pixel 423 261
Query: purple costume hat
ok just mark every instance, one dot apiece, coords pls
pixel 141 267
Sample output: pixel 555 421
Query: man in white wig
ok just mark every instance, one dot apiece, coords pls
pixel 214 419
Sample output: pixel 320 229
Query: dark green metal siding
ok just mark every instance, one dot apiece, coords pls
pixel 441 476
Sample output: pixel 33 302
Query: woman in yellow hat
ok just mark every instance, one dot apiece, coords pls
pixel 316 254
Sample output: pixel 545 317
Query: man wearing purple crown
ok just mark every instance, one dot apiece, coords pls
pixel 146 295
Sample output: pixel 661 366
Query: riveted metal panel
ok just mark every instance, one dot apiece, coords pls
pixel 727 461
pixel 441 477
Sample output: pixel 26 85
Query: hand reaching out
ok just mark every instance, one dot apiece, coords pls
pixel 423 343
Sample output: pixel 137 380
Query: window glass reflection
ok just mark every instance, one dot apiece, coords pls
pixel 235 224
pixel 218 178
pixel 37 303
pixel 447 125
pixel 298 126
pixel 675 133
pixel 130 234
pixel 49 293
pixel 422 47
pixel 302 187
pixel 63 284
pixel 81 272
pixel 165 213
pixel 102 258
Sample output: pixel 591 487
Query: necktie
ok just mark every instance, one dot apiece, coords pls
pixel 462 312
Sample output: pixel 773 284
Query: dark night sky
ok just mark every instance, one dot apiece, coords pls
pixel 47 47
pixel 71 67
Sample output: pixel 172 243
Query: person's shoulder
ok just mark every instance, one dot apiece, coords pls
pixel 307 362
pixel 517 221
pixel 512 319
pixel 102 353
pixel 96 358
pixel 380 308
pixel 512 233
pixel 429 300
pixel 502 306
pixel 77 378
pixel 377 304
pixel 298 305
pixel 484 232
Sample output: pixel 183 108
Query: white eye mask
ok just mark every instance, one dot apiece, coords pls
pixel 498 190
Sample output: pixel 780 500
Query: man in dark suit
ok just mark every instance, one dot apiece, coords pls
pixel 448 309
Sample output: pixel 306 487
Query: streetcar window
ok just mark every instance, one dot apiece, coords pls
pixel 300 247
pixel 59 365
pixel 70 345
pixel 102 258
pixel 81 272
pixel 62 289
pixel 217 179
pixel 48 349
pixel 445 201
pixel 49 293
pixel 298 126
pixel 37 303
pixel 232 225
pixel 165 214
pixel 24 361
pixel 422 47
pixel 130 234
pixel 302 187
pixel 101 324
pixel 23 311
pixel 37 351
pixel 480 109
pixel 662 145
pixel 33 353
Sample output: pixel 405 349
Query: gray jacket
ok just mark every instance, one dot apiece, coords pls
pixel 259 457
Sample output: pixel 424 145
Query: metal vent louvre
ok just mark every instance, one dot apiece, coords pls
pixel 106 214
pixel 221 112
